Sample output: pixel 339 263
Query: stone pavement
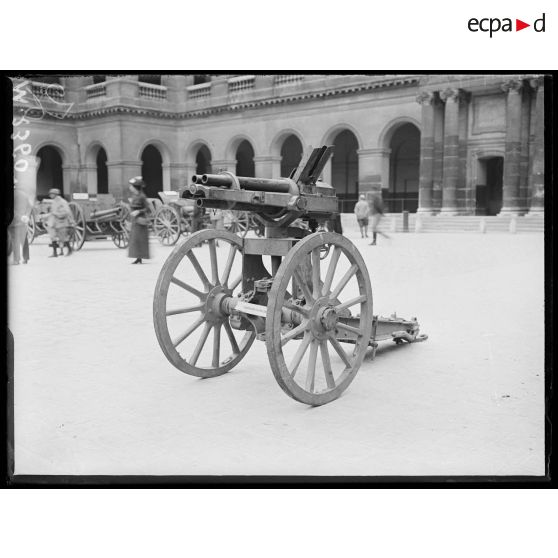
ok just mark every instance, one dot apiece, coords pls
pixel 95 395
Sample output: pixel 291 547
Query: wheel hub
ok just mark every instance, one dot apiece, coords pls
pixel 323 318
pixel 214 307
pixel 328 318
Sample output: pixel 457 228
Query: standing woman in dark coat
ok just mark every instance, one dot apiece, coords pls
pixel 139 235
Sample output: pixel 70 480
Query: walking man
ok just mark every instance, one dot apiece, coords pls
pixel 361 211
pixel 377 211
pixel 59 222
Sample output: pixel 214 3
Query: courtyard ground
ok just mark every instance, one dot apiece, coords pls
pixel 94 394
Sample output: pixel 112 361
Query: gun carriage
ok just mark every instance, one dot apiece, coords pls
pixel 99 217
pixel 304 291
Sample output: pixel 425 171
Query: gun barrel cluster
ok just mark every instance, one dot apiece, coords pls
pixel 279 185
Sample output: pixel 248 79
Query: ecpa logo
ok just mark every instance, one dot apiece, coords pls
pixel 494 24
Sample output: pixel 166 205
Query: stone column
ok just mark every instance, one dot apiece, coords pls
pixel 524 155
pixel 451 151
pixel 181 175
pixel 426 178
pixel 74 180
pixel 512 158
pixel 267 166
pixel 466 202
pixel 119 172
pixel 90 177
pixel 536 176
pixel 373 170
pixel 438 153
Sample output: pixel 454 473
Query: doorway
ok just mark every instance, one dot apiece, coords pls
pixel 489 188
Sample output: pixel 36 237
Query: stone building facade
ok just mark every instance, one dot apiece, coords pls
pixel 449 144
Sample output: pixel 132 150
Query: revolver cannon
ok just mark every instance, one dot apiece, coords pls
pixel 304 291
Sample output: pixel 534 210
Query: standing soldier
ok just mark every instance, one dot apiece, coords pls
pixel 361 211
pixel 59 222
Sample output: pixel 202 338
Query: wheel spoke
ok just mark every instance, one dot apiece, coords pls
pixel 330 380
pixel 331 270
pixel 296 308
pixel 198 268
pixel 294 332
pixel 316 287
pixel 304 286
pixel 350 272
pixel 349 328
pixel 234 344
pixel 180 283
pixel 235 283
pixel 184 310
pixel 311 370
pixel 350 303
pixel 213 254
pixel 228 265
pixel 216 345
pixel 201 343
pixel 295 363
pixel 188 332
pixel 340 351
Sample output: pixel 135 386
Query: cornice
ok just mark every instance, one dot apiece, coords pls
pixel 225 108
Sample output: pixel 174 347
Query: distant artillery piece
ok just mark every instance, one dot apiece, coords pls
pixel 299 304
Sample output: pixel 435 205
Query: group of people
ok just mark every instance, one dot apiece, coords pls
pixel 373 209
pixel 60 222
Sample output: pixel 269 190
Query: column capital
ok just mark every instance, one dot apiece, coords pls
pixel 512 85
pixel 425 98
pixel 454 94
pixel 536 82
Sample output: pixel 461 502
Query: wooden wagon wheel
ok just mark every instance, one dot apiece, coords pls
pixel 236 221
pixel 187 301
pixel 121 238
pixel 324 292
pixel 77 237
pixel 121 227
pixel 31 228
pixel 166 225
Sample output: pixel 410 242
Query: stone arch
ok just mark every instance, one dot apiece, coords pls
pixel 160 181
pixel 279 139
pixel 386 135
pixel 341 170
pixel 194 147
pixel 333 132
pixel 402 181
pixel 193 156
pixel 234 143
pixel 50 173
pixel 62 151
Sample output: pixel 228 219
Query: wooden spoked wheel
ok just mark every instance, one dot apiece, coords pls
pixel 166 225
pixel 121 238
pixel 77 236
pixel 188 305
pixel 308 301
pixel 236 221
pixel 31 228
